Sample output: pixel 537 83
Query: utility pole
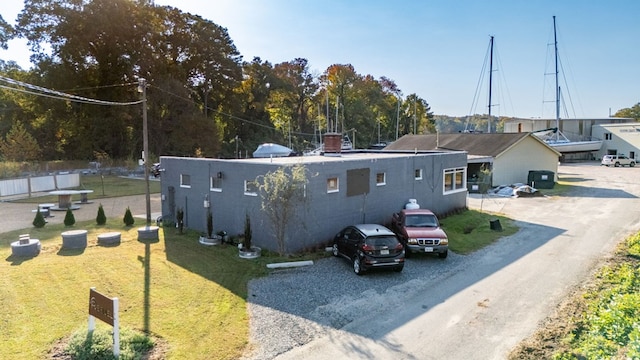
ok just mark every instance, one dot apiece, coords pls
pixel 142 87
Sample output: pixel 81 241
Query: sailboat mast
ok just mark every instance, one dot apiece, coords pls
pixel 490 83
pixel 555 45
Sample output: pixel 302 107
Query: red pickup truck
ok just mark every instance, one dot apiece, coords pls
pixel 419 231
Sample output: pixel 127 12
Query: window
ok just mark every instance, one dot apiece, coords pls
pixel 381 179
pixel 215 184
pixel 332 185
pixel 608 136
pixel 418 174
pixel 185 180
pixel 250 188
pixel 454 180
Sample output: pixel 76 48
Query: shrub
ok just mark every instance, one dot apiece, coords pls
pixel 39 220
pixel 128 218
pixel 101 218
pixel 69 218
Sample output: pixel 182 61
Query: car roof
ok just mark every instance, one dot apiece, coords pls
pixel 374 229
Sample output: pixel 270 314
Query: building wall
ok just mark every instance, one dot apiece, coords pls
pixel 323 213
pixel 574 129
pixel 513 165
pixel 619 139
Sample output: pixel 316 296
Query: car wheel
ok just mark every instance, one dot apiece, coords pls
pixel 443 255
pixel 617 164
pixel 632 164
pixel 357 265
pixel 334 250
pixel 398 268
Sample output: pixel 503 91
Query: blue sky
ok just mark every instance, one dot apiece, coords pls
pixel 437 48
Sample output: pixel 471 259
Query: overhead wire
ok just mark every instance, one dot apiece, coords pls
pixel 41 91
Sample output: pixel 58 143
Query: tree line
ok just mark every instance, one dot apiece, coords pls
pixel 203 99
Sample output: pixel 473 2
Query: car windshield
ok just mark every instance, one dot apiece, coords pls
pixel 423 220
pixel 381 241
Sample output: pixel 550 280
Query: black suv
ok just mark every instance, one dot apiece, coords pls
pixel 369 246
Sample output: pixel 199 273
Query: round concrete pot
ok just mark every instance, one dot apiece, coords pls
pixel 252 253
pixel 209 241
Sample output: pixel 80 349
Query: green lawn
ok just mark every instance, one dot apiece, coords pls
pixel 190 295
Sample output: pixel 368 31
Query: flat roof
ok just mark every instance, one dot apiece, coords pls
pixel 352 155
pixel 343 156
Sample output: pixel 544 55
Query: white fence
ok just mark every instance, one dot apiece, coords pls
pixel 38 184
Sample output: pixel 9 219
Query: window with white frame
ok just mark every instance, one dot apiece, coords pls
pixel 215 183
pixel 185 181
pixel 418 174
pixel 381 179
pixel 332 185
pixel 251 188
pixel 454 180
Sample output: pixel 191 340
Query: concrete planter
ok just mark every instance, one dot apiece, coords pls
pixel 210 241
pixel 109 238
pixel 252 253
pixel 74 239
pixel 149 232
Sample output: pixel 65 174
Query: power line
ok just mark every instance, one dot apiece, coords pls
pixel 41 91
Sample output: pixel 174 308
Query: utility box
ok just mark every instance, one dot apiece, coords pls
pixel 541 179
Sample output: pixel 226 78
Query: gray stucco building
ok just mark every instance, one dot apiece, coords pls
pixel 342 189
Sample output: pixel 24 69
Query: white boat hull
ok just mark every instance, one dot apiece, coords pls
pixel 566 147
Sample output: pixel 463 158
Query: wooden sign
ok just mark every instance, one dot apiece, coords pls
pixel 101 307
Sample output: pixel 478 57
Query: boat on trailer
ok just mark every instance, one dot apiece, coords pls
pixel 554 137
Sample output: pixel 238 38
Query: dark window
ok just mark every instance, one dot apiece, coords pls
pixel 357 182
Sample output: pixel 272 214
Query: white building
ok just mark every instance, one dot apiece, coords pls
pixel 623 139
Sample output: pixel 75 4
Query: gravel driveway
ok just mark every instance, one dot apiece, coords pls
pixel 474 306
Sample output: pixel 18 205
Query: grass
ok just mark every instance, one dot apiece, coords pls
pixel 191 296
pixel 470 230
pixel 106 186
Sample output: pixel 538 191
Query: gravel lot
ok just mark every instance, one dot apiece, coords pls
pixel 493 298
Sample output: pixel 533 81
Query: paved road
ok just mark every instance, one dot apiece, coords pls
pixel 15 216
pixel 484 308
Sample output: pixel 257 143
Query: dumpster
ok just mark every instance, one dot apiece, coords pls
pixel 541 179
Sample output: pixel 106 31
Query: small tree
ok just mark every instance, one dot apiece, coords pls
pixel 19 144
pixel 69 219
pixel 101 218
pixel 128 218
pixel 281 191
pixel 209 224
pixel 39 220
pixel 246 241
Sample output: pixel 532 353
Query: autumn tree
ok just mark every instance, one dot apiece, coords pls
pixel 19 145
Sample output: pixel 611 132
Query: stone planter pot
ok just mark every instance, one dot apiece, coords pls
pixel 209 241
pixel 252 253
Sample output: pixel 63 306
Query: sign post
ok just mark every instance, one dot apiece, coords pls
pixel 105 309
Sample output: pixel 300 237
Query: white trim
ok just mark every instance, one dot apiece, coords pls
pixel 335 188
pixel 384 179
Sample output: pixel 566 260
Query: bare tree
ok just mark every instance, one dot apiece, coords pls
pixel 282 191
